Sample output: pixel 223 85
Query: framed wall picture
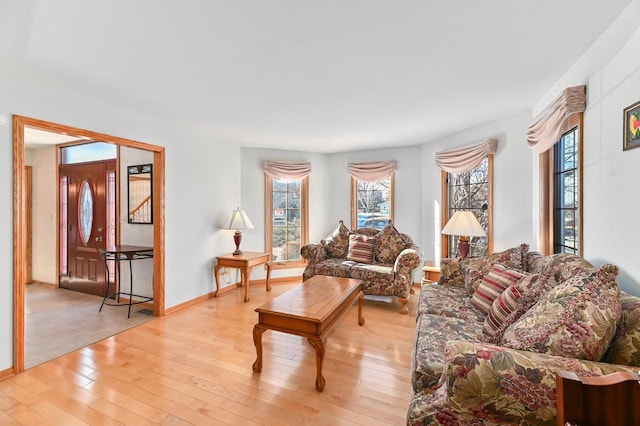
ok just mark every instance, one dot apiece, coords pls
pixel 631 129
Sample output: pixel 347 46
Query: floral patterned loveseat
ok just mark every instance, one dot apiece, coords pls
pixel 383 259
pixel 491 334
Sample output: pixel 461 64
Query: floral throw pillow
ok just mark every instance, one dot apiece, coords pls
pixel 337 243
pixel 493 284
pixel 576 319
pixel 361 248
pixel 625 347
pixel 451 272
pixel 390 244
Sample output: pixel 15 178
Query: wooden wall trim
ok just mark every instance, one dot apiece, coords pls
pixel 19 246
pixel 189 303
pixel 5 374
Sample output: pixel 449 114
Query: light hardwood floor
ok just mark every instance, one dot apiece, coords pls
pixel 59 321
pixel 194 367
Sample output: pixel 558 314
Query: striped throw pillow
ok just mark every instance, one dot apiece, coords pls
pixel 361 248
pixel 501 308
pixel 497 280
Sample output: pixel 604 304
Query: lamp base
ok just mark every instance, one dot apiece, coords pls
pixel 463 246
pixel 237 238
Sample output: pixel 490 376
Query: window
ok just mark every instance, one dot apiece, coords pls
pixel 91 151
pixel 564 190
pixel 371 203
pixel 286 217
pixel 472 191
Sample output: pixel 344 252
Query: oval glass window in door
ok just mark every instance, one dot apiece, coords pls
pixel 85 211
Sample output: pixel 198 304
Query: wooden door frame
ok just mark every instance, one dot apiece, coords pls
pixel 19 221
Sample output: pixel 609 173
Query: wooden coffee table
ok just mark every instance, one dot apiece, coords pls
pixel 309 310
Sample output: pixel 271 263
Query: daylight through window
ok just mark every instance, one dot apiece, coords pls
pixel 469 191
pixel 286 218
pixel 566 230
pixel 372 203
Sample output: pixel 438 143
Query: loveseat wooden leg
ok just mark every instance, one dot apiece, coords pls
pixel 404 301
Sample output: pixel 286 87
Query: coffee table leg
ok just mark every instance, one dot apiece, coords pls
pixel 360 305
pixel 258 330
pixel 318 345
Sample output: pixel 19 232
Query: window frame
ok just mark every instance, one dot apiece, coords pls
pixel 547 182
pixel 445 209
pixel 304 218
pixel 354 199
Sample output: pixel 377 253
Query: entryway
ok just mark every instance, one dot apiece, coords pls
pixel 20 231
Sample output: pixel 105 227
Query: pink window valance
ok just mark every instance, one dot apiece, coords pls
pixel 466 158
pixel 547 128
pixel 287 170
pixel 372 172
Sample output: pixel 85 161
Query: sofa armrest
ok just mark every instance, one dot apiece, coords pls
pixel 408 260
pixel 313 252
pixel 499 383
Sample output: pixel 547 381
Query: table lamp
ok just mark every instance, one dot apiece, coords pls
pixel 465 225
pixel 237 220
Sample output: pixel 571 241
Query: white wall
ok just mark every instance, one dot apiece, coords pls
pixel 511 188
pixel 611 71
pixel 45 188
pixel 6 241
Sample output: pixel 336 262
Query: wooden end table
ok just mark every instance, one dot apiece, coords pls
pixel 431 272
pixel 310 310
pixel 244 262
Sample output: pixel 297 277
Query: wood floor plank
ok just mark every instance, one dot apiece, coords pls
pixel 194 367
pixel 79 408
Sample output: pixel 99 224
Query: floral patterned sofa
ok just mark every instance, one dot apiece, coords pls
pixel 473 367
pixel 383 259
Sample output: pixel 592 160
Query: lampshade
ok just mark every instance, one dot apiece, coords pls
pixel 237 219
pixel 464 223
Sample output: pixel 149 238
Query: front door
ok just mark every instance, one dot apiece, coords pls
pixel 86 224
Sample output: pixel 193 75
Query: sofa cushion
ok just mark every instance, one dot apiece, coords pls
pixel 334 267
pixel 576 319
pixel 448 301
pixel 497 280
pixel 361 248
pixel 625 347
pixel 374 271
pixel 390 244
pixel 337 243
pixel 474 269
pixel 432 332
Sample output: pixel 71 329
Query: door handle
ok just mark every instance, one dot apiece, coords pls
pixel 98 238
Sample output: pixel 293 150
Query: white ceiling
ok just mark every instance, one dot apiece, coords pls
pixel 35 138
pixel 322 76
